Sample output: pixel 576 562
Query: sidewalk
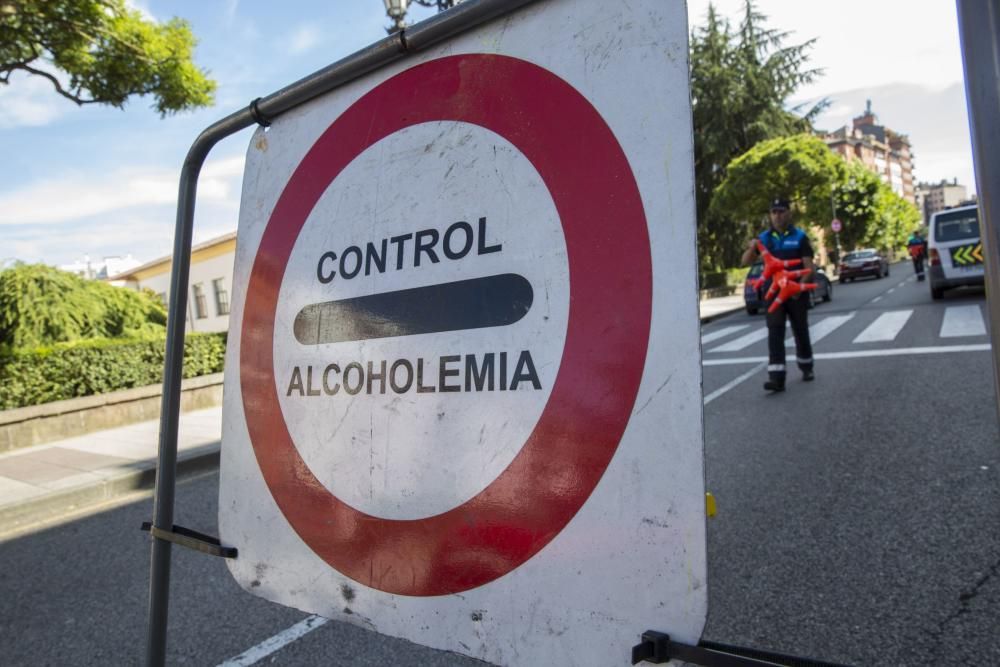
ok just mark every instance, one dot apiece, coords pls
pixel 53 479
pixel 50 480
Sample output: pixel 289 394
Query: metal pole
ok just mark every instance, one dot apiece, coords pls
pixel 166 469
pixel 836 234
pixel 426 33
pixel 979 28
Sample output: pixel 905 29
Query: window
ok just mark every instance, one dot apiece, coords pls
pixel 956 225
pixel 200 307
pixel 221 297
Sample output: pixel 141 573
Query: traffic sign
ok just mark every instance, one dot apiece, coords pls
pixel 835 225
pixel 463 376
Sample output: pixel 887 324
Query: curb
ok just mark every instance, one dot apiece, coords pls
pixel 715 316
pixel 705 319
pixel 66 501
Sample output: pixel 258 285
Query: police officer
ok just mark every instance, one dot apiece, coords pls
pixel 785 241
pixel 917 245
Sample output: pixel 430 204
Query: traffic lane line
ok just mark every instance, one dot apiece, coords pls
pixel 854 354
pixel 734 383
pixel 878 298
pixel 273 644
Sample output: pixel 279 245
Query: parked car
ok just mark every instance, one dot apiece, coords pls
pixel 860 263
pixel 754 298
pixel 954 250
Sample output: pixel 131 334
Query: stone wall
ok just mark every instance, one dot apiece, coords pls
pixel 23 427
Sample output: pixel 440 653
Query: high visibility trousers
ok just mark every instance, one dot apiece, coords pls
pixel 796 310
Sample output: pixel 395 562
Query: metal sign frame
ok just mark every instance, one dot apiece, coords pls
pixel 261 111
pixel 979 30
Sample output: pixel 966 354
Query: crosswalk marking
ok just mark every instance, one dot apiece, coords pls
pixel 722 333
pixel 743 341
pixel 823 328
pixel 859 354
pixel 962 321
pixel 885 327
pixel 959 321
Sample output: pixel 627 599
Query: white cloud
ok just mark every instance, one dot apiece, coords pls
pixel 862 43
pixel 141 6
pixel 30 101
pixel 81 195
pixel 231 7
pixel 303 38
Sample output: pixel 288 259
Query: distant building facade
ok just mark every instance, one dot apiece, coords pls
pixel 882 150
pixel 100 270
pixel 939 196
pixel 209 285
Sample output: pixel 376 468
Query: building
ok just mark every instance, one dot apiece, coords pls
pixel 879 148
pixel 939 196
pixel 94 270
pixel 209 284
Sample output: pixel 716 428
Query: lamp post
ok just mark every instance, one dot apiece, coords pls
pixel 396 10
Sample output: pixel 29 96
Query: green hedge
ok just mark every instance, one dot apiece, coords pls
pixel 729 277
pixel 97 366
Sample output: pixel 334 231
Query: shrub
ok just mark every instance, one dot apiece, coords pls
pixel 96 366
pixel 41 305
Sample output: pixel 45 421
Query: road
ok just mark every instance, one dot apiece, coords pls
pixel 859 515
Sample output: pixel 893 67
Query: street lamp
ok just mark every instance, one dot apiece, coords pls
pixel 396 10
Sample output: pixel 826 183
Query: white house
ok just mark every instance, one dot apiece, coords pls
pixel 209 285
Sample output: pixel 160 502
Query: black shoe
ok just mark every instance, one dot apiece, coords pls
pixel 774 385
pixel 808 376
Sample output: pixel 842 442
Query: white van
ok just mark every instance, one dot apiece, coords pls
pixel 954 250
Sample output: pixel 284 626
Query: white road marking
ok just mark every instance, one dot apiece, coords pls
pixel 962 321
pixel 891 290
pixel 268 646
pixel 823 328
pixel 876 299
pixel 854 354
pixel 885 327
pixel 722 333
pixel 743 341
pixel 732 383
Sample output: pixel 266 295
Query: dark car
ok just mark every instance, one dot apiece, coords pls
pixel 860 263
pixel 754 298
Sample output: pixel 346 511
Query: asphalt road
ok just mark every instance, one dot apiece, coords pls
pixel 859 519
pixel 859 515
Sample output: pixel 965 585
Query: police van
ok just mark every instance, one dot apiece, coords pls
pixel 954 250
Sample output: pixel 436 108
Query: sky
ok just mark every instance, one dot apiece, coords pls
pixel 96 181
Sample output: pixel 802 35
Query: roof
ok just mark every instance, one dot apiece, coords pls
pixel 167 259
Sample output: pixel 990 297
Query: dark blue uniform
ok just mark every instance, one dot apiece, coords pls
pixel 793 243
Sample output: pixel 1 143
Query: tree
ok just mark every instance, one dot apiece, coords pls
pixel 800 167
pixel 41 305
pixel 740 83
pixel 100 52
pixel 818 182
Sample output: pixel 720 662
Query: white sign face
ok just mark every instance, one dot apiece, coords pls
pixel 463 391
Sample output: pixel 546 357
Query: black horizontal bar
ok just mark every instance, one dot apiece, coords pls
pixel 477 303
pixel 191 539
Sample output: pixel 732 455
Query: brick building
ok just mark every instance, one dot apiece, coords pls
pixel 884 151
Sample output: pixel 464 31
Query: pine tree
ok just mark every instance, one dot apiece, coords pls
pixel 740 85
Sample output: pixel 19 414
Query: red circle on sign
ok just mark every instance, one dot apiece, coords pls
pixel 610 284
